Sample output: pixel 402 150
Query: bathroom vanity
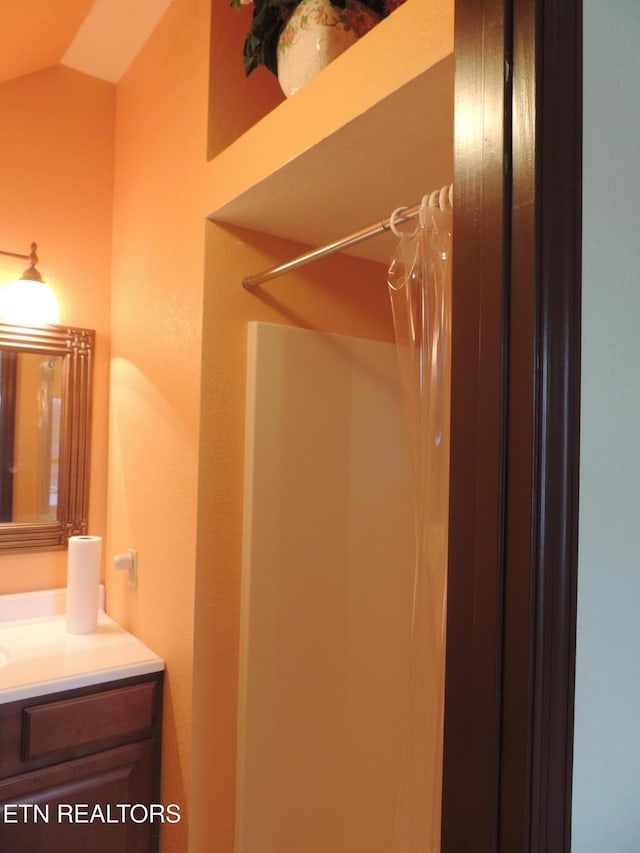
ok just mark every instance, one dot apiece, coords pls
pixel 80 737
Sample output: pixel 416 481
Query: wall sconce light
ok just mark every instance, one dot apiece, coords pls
pixel 28 301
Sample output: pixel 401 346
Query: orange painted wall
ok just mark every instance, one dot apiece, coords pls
pixel 173 335
pixel 333 295
pixel 175 456
pixel 338 295
pixel 254 96
pixel 157 293
pixel 56 174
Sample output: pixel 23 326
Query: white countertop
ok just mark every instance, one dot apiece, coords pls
pixel 38 656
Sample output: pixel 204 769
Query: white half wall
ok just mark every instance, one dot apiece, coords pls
pixel 326 595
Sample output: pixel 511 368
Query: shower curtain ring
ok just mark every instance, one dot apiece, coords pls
pixel 394 228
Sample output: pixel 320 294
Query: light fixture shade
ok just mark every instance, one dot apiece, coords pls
pixel 28 302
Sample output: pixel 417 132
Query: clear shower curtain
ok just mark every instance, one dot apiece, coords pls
pixel 420 289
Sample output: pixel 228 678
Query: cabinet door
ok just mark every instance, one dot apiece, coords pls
pixel 75 806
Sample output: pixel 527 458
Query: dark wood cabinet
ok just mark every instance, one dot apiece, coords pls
pixel 80 770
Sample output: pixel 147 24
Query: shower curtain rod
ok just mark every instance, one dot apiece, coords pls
pixel 439 198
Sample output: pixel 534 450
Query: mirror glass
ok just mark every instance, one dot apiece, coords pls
pixel 45 378
pixel 30 410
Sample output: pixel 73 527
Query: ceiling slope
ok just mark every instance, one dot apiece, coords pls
pixel 98 37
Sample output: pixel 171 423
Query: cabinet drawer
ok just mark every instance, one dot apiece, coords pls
pixel 72 723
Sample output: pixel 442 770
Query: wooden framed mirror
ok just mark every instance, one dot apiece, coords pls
pixel 45 417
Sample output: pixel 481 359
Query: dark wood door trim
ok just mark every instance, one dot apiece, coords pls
pixel 476 540
pixel 557 405
pixel 515 428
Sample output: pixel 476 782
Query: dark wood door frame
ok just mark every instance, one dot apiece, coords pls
pixel 515 427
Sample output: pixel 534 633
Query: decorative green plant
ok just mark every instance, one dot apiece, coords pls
pixel 270 16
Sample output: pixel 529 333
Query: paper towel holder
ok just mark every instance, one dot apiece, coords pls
pixel 128 562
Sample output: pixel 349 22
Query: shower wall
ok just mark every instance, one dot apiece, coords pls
pixel 326 596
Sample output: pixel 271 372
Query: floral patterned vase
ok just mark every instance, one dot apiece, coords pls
pixel 314 35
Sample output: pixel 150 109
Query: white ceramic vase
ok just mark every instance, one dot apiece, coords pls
pixel 314 35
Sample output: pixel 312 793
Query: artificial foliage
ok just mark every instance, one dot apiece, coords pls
pixel 269 17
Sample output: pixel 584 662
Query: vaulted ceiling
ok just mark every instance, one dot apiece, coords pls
pixel 98 37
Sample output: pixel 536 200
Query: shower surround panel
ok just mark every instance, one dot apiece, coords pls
pixel 326 594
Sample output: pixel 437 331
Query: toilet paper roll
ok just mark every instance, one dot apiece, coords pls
pixel 83 583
